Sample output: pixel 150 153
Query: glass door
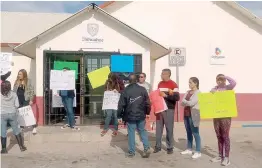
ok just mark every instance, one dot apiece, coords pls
pixel 93 98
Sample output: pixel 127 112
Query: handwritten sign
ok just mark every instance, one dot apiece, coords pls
pixel 5 62
pixel 110 100
pixel 62 80
pixel 26 116
pixel 217 105
pixel 57 100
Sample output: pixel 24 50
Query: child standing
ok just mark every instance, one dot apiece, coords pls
pixel 222 125
pixel 9 106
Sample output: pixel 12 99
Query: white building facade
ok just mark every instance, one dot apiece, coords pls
pixel 218 38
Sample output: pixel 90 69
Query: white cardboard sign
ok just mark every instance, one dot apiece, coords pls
pixel 110 100
pixel 26 116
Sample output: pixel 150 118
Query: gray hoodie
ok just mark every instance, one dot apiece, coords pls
pixel 9 103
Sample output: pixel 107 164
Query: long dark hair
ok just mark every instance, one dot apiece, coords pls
pixel 5 88
pixel 112 82
pixel 195 80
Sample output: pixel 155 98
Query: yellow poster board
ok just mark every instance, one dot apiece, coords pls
pixel 217 105
pixel 98 77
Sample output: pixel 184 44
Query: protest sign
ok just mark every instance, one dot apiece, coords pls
pixel 62 80
pixel 158 103
pixel 26 116
pixel 57 100
pixel 60 65
pixel 5 62
pixel 217 105
pixel 98 77
pixel 110 100
pixel 122 63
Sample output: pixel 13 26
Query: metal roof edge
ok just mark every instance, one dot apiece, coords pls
pixel 245 12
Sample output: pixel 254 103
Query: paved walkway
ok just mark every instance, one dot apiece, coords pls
pixel 56 148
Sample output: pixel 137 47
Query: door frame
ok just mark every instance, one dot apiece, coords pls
pixel 47 93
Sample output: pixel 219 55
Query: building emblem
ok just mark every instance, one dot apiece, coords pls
pixel 218 51
pixel 92 29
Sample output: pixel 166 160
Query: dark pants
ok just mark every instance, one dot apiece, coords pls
pixel 192 131
pixel 68 105
pixel 222 128
pixel 140 126
pixel 166 119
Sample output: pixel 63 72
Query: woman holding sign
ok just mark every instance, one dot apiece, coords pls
pixel 192 118
pixel 9 106
pixel 25 91
pixel 222 125
pixel 112 84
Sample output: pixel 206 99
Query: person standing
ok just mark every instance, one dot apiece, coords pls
pixel 133 106
pixel 9 106
pixel 67 97
pixel 222 125
pixel 25 91
pixel 112 84
pixel 192 118
pixel 169 91
pixel 142 82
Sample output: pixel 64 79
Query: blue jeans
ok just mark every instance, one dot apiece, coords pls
pixel 140 126
pixel 111 114
pixel 192 131
pixel 68 105
pixel 10 118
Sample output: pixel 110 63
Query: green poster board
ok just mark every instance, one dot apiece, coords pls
pixel 59 65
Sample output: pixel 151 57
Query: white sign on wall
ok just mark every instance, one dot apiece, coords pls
pixel 26 116
pixel 177 56
pixel 110 100
pixel 5 62
pixel 62 80
pixel 57 100
pixel 93 31
pixel 217 56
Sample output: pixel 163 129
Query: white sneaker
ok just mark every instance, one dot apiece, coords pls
pixel 225 162
pixel 187 152
pixel 34 131
pixel 196 155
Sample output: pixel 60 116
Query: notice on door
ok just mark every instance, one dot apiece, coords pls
pixel 62 80
pixel 110 101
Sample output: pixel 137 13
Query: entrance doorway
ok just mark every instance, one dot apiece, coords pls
pixel 88 108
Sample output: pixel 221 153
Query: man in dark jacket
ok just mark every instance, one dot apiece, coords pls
pixel 133 106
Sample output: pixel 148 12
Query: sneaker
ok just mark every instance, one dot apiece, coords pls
pixel 170 151
pixel 103 133
pixel 34 131
pixel 146 153
pixel 156 150
pixel 130 155
pixel 114 133
pixel 225 162
pixel 216 159
pixel 75 128
pixel 65 126
pixel 196 155
pixel 187 152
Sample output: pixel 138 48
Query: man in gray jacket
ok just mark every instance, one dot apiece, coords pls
pixel 142 82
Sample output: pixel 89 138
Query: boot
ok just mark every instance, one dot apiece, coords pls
pixel 20 141
pixel 3 141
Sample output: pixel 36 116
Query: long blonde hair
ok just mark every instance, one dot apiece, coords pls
pixel 25 78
